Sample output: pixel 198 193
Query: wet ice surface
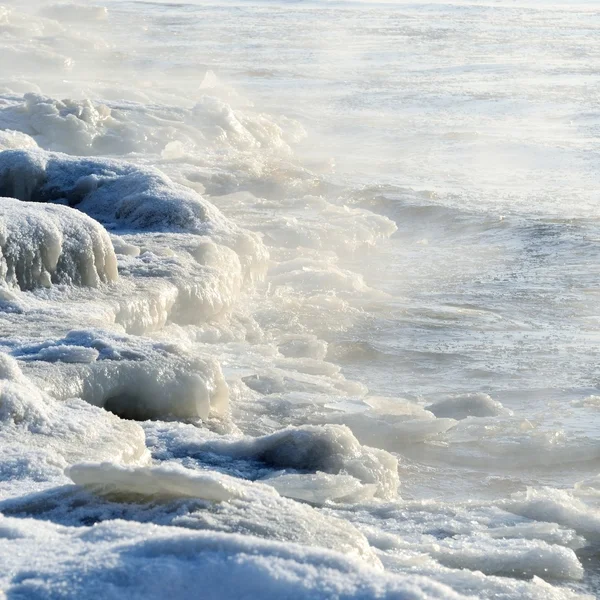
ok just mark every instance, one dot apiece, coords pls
pixel 299 300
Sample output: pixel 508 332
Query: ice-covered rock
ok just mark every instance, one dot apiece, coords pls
pixel 45 244
pixel 134 378
pixel 40 436
pixel 119 194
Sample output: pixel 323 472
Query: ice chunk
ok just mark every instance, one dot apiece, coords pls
pixel 134 378
pixel 42 244
pixel 557 506
pixel 164 481
pixel 234 505
pixel 11 140
pixel 55 434
pixel 469 405
pixel 514 557
pixel 319 488
pixel 327 448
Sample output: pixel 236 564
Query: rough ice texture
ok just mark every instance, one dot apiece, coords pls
pixel 41 436
pixel 327 448
pixel 227 504
pixel 134 378
pixel 119 194
pixel 558 506
pixel 195 281
pixel 130 560
pixel 85 127
pixel 43 244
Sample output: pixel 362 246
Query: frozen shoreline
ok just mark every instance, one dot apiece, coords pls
pixel 229 368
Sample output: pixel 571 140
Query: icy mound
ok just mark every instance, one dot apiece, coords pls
pixel 41 245
pixel 229 505
pixel 565 507
pixel 119 194
pixel 469 405
pixel 15 140
pixel 243 138
pixel 391 423
pixel 60 124
pixel 41 436
pixel 327 448
pixel 194 281
pixel 134 378
pixel 320 488
pixel 124 560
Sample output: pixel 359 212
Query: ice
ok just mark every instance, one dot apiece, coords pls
pixel 42 436
pixel 557 506
pixel 156 482
pixel 319 488
pixel 470 405
pixel 125 560
pixel 327 448
pixel 227 335
pixel 131 377
pixel 121 194
pixel 44 245
pixel 204 499
pixel 514 557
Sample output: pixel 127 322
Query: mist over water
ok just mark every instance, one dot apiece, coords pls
pixel 299 299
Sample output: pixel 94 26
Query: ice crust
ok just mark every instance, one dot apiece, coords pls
pixel 131 377
pixel 44 245
pixel 119 194
pixel 152 562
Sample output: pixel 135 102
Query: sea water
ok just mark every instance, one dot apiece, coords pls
pixel 299 299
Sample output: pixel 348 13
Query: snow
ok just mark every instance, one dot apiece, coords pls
pixel 129 560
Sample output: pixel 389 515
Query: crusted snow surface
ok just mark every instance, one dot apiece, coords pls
pixel 124 559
